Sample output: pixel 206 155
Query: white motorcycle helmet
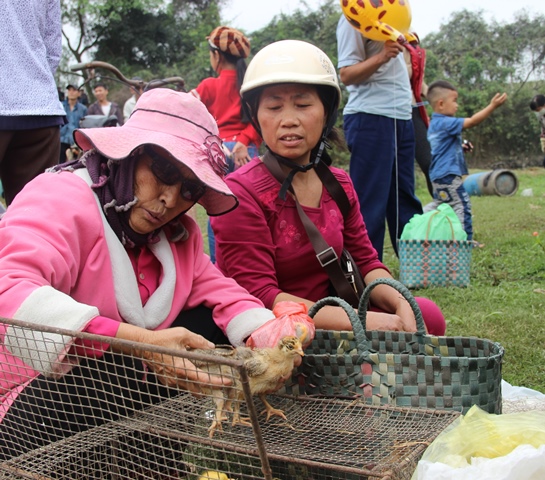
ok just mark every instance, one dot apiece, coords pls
pixel 291 61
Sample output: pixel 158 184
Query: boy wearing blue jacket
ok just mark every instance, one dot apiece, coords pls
pixel 448 165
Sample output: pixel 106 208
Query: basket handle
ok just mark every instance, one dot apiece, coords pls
pixel 428 228
pixel 357 327
pixel 403 290
pixel 359 321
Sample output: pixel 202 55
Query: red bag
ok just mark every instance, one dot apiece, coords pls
pixel 291 319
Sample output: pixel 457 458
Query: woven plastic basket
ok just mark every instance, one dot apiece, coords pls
pixel 439 263
pixel 399 368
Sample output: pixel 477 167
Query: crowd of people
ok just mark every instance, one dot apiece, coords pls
pixel 252 146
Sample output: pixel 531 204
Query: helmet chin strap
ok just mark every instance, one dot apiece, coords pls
pixel 315 159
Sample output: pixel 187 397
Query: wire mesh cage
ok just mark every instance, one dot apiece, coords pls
pixel 100 414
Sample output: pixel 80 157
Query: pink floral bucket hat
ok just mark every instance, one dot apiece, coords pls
pixel 178 123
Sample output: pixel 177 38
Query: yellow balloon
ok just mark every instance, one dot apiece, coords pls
pixel 379 20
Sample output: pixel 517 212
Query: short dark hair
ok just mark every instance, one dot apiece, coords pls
pixel 437 89
pixel 442 84
pixel 100 84
pixel 537 101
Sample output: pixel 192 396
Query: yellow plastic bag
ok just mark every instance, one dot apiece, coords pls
pixel 485 435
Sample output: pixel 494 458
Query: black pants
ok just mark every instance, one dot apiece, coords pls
pixel 62 156
pixel 24 154
pixel 94 392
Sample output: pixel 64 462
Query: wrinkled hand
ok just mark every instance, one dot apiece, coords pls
pixel 174 371
pixel 240 154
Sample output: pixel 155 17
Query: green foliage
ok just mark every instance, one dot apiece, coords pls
pixel 316 25
pixel 159 38
pixel 148 38
pixel 141 39
pixel 482 59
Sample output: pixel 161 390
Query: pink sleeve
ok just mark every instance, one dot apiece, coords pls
pixel 42 242
pixel 235 311
pixel 245 248
pixel 102 326
pixel 97 326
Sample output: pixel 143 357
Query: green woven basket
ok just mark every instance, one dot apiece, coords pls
pixel 399 368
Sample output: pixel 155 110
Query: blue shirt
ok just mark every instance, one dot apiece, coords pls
pixel 73 117
pixel 386 92
pixel 447 155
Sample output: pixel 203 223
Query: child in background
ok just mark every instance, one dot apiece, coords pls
pixel 445 137
pixel 228 50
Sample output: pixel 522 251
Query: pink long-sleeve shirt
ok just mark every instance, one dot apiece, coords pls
pixel 263 244
pixel 61 265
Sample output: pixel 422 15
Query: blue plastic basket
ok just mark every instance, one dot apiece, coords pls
pixel 434 263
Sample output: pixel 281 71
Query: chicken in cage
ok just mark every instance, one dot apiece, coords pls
pixel 110 418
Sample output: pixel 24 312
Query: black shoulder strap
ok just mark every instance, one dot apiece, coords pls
pixel 324 252
pixel 334 188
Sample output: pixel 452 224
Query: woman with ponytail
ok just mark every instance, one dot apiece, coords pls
pixel 229 49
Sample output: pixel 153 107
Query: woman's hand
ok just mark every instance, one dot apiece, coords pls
pixel 389 321
pixel 406 314
pixel 399 316
pixel 173 371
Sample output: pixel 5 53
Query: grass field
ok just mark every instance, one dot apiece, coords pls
pixel 505 301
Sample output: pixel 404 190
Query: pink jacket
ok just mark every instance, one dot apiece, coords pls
pixel 62 265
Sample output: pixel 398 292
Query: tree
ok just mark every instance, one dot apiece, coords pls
pixel 160 38
pixel 481 59
pixel 150 38
pixel 84 21
pixel 316 25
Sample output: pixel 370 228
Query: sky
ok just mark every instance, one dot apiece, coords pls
pixel 251 15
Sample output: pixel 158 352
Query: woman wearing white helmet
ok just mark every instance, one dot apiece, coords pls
pixel 292 95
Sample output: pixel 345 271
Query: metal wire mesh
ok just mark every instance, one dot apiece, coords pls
pixel 110 418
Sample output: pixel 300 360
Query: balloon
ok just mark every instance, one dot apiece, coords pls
pixel 379 20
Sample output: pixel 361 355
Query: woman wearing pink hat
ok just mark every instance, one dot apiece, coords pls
pixel 102 245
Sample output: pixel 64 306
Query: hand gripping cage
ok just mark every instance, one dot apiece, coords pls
pixel 110 418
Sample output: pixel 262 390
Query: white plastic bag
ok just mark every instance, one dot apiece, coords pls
pixel 523 463
pixel 485 446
